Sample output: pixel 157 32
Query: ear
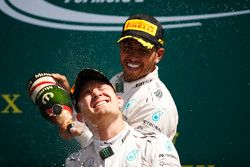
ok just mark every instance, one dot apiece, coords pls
pixel 120 101
pixel 160 53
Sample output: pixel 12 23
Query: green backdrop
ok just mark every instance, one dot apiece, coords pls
pixel 206 68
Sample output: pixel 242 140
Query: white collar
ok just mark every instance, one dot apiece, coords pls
pixel 122 85
pixel 114 142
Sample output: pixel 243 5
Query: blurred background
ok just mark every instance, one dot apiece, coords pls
pixel 206 68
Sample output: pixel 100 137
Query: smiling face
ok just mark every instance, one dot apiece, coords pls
pixel 138 61
pixel 98 102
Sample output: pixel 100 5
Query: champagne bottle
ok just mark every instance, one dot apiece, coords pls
pixel 50 98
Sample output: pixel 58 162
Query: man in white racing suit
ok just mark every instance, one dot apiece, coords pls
pixel 148 104
pixel 115 143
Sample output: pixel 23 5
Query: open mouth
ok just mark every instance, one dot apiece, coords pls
pixel 133 65
pixel 103 102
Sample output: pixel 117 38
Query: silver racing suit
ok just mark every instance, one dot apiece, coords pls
pixel 130 148
pixel 148 104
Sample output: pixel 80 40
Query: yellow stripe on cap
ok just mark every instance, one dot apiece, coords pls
pixel 141 25
pixel 148 45
pixel 161 41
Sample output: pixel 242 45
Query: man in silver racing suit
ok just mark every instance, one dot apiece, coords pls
pixel 115 143
pixel 149 105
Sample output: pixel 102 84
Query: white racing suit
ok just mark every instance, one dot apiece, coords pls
pixel 148 104
pixel 129 148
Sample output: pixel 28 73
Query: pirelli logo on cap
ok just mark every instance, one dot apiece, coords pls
pixel 141 25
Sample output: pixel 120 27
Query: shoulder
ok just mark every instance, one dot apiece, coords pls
pixel 154 92
pixel 72 159
pixel 76 158
pixel 162 150
pixel 116 78
pixel 155 143
pixel 157 93
pixel 149 136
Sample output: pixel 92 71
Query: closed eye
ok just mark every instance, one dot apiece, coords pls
pixel 86 93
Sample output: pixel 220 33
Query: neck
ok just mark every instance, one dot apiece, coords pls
pixel 110 130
